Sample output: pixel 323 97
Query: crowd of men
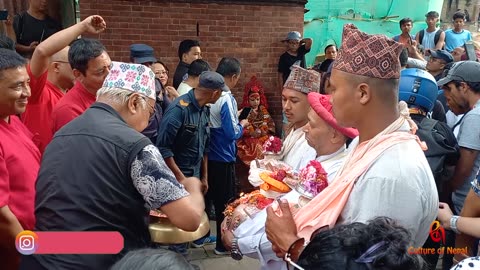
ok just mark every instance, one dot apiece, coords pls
pixel 91 144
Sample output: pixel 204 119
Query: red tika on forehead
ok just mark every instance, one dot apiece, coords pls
pixel 375 56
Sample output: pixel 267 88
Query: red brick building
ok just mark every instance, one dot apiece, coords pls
pixel 250 30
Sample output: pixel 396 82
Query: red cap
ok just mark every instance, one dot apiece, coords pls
pixel 322 106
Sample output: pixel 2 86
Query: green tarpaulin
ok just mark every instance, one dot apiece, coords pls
pixel 326 18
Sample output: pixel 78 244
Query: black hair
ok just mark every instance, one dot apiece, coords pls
pixel 10 59
pixel 6 42
pixel 229 66
pixel 340 247
pixel 326 75
pixel 403 57
pixel 146 259
pixel 197 67
pixel 475 86
pixel 459 15
pixel 404 21
pixel 163 64
pixel 331 45
pixel 82 51
pixel 186 45
pixel 325 65
pixel 432 14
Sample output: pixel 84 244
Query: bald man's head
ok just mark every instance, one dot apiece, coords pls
pixel 61 56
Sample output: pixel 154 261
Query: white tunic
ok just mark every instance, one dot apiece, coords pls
pixel 300 153
pixel 252 240
pixel 399 185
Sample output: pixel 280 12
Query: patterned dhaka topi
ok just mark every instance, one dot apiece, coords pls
pixel 303 80
pixel 375 56
pixel 133 77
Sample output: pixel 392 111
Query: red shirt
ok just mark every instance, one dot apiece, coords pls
pixel 19 165
pixel 75 102
pixel 40 105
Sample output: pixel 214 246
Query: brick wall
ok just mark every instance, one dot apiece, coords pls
pixel 250 32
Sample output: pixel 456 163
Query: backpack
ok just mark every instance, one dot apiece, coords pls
pixel 435 39
pixel 443 149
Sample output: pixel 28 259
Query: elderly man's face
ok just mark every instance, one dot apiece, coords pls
pixel 141 110
pixel 295 105
pixel 317 132
pixel 14 91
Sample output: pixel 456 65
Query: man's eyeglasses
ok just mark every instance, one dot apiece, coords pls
pixel 433 59
pixel 293 42
pixel 152 108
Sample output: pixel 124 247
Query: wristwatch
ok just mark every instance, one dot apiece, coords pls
pixel 453 224
pixel 293 252
pixel 235 252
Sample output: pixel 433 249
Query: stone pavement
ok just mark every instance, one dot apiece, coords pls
pixel 206 259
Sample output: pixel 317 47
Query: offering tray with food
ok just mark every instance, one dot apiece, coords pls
pixel 247 206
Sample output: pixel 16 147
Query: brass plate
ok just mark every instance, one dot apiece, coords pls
pixel 164 232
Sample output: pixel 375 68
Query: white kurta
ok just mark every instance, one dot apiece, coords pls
pixel 298 153
pixel 295 152
pixel 252 239
pixel 399 185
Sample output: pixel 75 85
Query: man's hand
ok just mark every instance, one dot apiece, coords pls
pixel 171 92
pixel 244 123
pixel 94 24
pixel 9 20
pixel 33 45
pixel 444 215
pixel 281 230
pixel 227 239
pixel 204 182
pixel 192 184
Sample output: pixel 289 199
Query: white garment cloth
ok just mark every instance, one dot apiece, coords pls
pixel 428 41
pixel 183 88
pixel 252 240
pixel 452 120
pixel 399 185
pixel 295 152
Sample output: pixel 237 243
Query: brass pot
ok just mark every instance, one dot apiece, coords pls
pixel 164 232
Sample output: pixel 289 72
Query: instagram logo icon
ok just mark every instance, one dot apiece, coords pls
pixel 26 242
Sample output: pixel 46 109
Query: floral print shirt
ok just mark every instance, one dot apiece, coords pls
pixel 154 180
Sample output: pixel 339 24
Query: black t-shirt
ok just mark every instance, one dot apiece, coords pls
pixel 29 29
pixel 287 60
pixel 181 70
pixel 438 112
